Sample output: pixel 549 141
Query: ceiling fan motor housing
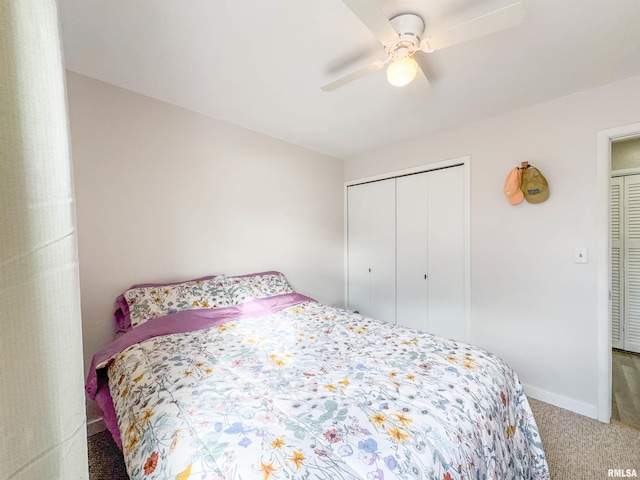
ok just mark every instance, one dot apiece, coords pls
pixel 410 28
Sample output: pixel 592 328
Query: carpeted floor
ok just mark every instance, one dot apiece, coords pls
pixel 105 459
pixel 577 447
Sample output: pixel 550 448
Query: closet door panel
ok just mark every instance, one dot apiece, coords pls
pixel 632 304
pixel 430 252
pixel 412 224
pixel 358 247
pixel 371 249
pixel 382 302
pixel 617 267
pixel 631 325
pixel 446 258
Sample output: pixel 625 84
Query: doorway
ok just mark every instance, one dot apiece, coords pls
pixel 605 138
pixel 625 283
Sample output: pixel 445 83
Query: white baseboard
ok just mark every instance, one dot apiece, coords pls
pixel 95 426
pixel 562 402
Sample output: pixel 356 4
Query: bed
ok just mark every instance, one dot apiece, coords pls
pixel 241 377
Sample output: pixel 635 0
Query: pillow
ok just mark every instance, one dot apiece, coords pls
pixel 256 285
pixel 143 302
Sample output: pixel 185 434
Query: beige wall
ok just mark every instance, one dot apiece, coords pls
pixel 530 303
pixel 625 154
pixel 164 194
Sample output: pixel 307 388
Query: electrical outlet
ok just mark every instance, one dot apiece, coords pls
pixel 580 255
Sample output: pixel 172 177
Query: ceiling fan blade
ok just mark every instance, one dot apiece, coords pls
pixel 370 13
pixel 420 86
pixel 495 21
pixel 352 76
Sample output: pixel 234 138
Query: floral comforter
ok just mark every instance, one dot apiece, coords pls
pixel 316 392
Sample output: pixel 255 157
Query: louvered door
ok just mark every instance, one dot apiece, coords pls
pixel 631 222
pixel 617 267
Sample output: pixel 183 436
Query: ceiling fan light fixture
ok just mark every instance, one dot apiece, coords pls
pixel 402 71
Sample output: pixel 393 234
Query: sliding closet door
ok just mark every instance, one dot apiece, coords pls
pixel 371 249
pixel 412 242
pixel 430 252
pixel 446 257
pixel 631 325
pixel 617 255
pixel 358 213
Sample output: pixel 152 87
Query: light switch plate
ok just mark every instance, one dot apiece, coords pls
pixel 580 255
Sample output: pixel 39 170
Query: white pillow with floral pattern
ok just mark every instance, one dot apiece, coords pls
pixel 145 303
pixel 260 285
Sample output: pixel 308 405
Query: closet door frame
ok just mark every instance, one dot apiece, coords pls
pixel 465 162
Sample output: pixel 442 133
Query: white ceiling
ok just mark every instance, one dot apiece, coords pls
pixel 260 63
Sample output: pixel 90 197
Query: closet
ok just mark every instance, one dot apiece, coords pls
pixel 406 250
pixel 625 262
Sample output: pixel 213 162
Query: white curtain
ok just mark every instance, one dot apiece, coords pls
pixel 42 412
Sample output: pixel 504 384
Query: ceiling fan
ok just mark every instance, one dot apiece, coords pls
pixel 404 41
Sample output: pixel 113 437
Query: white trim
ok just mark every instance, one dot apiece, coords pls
pixel 95 426
pixel 467 249
pixel 603 175
pixel 466 165
pixel 560 401
pixel 408 171
pixel 625 171
pixel 345 229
